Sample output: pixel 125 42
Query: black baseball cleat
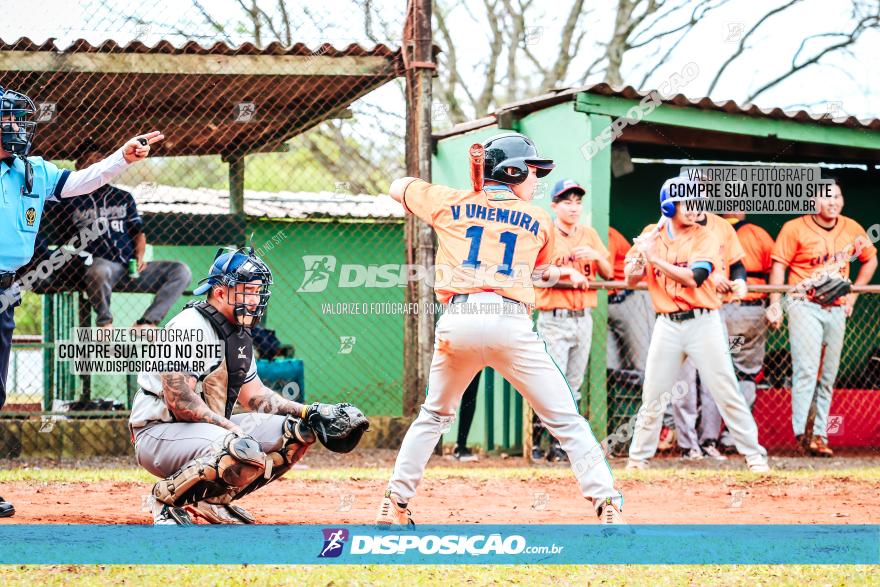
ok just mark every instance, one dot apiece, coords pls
pixel 166 515
pixel 464 455
pixel 7 510
pixel 537 454
pixel 556 454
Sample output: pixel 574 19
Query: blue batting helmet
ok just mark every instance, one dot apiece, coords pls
pixel 674 190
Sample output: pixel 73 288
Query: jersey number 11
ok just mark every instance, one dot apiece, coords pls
pixel 507 238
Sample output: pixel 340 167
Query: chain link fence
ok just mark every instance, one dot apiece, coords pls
pixel 763 362
pixel 283 126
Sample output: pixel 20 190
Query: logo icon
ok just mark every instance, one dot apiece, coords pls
pixel 334 540
pixel 346 344
pixel 734 32
pixel 736 342
pixel 47 424
pixel 737 496
pixel 245 111
pixel 834 426
pixel 46 111
pixel 241 353
pixel 540 502
pixel 318 271
pixel 533 34
pixel 345 503
pixel 440 112
pixel 30 216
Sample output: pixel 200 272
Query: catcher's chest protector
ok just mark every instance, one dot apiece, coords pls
pixel 239 350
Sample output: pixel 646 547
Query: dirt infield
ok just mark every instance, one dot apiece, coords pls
pixel 333 491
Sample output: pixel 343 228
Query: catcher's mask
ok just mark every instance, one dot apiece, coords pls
pixel 16 127
pixel 240 267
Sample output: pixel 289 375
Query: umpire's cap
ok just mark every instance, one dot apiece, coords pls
pixel 507 157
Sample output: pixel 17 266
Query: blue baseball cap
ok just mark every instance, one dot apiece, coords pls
pixel 564 186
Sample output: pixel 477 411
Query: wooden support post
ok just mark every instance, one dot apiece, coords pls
pixel 236 184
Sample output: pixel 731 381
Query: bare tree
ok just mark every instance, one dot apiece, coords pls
pixel 478 73
pixel 840 41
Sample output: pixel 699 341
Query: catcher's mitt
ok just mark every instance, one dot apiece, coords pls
pixel 828 290
pixel 339 427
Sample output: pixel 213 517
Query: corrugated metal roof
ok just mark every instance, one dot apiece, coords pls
pixel 194 48
pixel 172 199
pixel 630 93
pixel 207 100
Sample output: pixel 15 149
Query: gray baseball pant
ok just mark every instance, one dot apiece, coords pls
pixel 167 279
pixel 747 333
pixel 163 448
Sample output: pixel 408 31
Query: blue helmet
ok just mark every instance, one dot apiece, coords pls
pixel 234 267
pixel 670 196
pixel 16 128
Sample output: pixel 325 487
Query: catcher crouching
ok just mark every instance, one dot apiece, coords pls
pixel 182 423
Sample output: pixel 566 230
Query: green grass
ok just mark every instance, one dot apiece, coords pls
pixel 135 475
pixel 231 576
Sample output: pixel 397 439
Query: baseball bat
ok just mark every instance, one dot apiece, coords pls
pixel 811 415
pixel 478 160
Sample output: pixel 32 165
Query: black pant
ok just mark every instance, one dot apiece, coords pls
pixel 466 412
pixel 7 325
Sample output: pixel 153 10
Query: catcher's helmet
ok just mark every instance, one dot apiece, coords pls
pixel 233 267
pixel 515 151
pixel 16 128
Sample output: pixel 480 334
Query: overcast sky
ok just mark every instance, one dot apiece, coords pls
pixel 848 79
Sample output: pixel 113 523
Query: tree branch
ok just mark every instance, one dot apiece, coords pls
pixel 558 71
pixel 742 43
pixel 851 38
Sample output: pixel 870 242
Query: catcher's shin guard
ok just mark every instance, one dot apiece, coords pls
pixel 297 438
pixel 237 464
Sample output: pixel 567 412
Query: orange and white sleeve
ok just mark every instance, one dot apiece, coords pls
pixel 423 199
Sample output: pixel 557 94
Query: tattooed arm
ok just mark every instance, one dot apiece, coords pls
pixel 255 397
pixel 186 405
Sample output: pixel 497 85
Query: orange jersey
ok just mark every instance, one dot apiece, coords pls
pixel 730 250
pixel 617 247
pixel 553 298
pixel 758 246
pixel 806 248
pixel 486 240
pixel 695 244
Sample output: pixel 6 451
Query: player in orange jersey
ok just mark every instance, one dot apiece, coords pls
pixel 746 327
pixel 678 256
pixel 564 318
pixel 808 247
pixel 491 242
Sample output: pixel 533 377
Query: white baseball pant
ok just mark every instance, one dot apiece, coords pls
pixel 702 339
pixel 485 331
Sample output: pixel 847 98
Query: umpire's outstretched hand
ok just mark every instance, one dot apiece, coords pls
pixel 138 148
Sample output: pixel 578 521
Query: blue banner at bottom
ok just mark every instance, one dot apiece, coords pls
pixel 440 544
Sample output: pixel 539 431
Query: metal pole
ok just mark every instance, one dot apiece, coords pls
pixel 419 328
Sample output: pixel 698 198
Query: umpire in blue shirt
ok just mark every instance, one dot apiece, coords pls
pixel 25 185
